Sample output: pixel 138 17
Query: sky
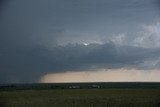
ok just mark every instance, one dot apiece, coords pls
pixel 79 41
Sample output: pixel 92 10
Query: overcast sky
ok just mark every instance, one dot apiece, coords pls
pixel 46 37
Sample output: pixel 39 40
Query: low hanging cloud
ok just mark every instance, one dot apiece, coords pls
pixel 20 62
pixel 37 62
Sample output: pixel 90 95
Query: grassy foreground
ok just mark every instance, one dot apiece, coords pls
pixel 81 98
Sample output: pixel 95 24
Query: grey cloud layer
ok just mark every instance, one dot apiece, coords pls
pixel 34 35
pixel 35 62
pixel 45 22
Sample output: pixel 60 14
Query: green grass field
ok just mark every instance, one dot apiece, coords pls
pixel 81 98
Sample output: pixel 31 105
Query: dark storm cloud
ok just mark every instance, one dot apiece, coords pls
pixel 31 32
pixel 30 64
pixel 2 4
pixel 108 55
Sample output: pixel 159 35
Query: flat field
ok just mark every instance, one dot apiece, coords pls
pixel 122 97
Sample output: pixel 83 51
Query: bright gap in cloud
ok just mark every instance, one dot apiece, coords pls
pixel 85 44
pixel 111 75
